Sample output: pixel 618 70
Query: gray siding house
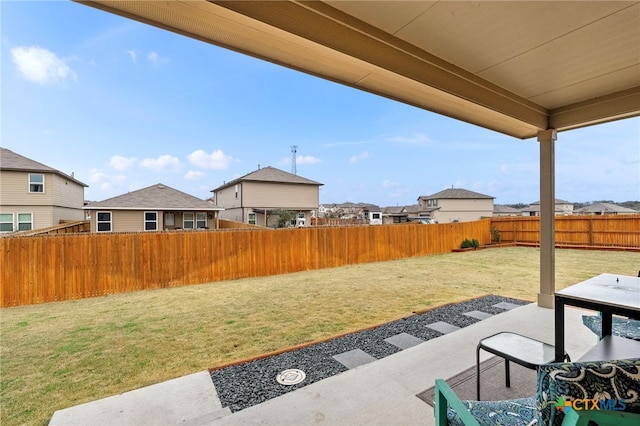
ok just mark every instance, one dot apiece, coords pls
pixel 457 205
pixel 255 197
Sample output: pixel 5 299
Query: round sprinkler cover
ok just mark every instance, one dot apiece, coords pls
pixel 291 377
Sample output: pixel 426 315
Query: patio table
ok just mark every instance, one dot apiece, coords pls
pixel 523 350
pixel 609 294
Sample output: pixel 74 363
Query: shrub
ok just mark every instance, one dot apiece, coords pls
pixel 495 234
pixel 467 243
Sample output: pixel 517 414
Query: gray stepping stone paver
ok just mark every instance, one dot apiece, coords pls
pixel 506 305
pixel 354 358
pixel 404 340
pixel 478 315
pixel 443 327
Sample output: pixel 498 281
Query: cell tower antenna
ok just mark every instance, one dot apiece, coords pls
pixel 294 151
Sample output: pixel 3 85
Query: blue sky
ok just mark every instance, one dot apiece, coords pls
pixel 124 105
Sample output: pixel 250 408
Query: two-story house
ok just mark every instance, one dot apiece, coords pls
pixel 456 205
pixel 255 198
pixel 34 196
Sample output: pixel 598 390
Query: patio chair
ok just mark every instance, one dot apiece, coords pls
pixel 612 385
pixel 623 327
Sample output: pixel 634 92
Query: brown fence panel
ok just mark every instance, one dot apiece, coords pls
pixel 64 267
pixel 595 231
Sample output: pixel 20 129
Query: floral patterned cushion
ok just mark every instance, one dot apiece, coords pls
pixel 613 381
pixel 514 412
pixel 622 327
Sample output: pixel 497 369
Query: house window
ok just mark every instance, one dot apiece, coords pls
pixel 25 221
pixel 6 222
pixel 201 220
pixel 187 220
pixel 168 219
pixel 103 221
pixel 251 218
pixel 236 188
pixel 36 182
pixel 150 221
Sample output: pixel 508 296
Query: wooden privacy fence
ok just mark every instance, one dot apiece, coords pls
pixel 65 267
pixel 620 231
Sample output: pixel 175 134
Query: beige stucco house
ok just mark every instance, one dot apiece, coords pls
pixel 155 208
pixel 34 196
pixel 456 205
pixel 254 198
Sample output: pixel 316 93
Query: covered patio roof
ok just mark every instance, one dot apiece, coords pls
pixel 513 67
pixel 521 68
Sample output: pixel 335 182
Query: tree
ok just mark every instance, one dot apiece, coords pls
pixel 284 218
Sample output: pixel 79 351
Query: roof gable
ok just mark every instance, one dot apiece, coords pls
pixel 11 161
pixel 270 174
pixel 456 193
pixel 155 197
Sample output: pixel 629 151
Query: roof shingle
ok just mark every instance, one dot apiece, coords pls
pixel 269 174
pixel 11 161
pixel 155 197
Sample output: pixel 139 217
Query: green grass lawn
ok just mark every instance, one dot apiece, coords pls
pixel 57 355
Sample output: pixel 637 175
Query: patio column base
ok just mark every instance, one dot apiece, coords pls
pixel 545 300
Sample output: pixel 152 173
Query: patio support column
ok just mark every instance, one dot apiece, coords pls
pixel 547 140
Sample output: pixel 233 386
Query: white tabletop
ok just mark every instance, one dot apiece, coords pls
pixel 607 289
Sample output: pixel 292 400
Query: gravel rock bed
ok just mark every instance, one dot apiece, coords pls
pixel 244 385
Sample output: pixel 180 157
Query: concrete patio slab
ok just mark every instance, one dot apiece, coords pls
pixel 506 305
pixel 443 327
pixel 178 401
pixel 404 340
pixel 354 358
pixel 478 315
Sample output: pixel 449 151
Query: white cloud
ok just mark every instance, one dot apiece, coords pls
pixel 285 161
pixel 161 163
pixel 359 157
pixel 122 163
pixel 388 184
pixel 103 180
pixel 191 175
pixel 153 57
pixel 417 139
pixel 307 159
pixel 40 65
pixel 505 169
pixel 217 160
pixel 133 55
pixel 519 167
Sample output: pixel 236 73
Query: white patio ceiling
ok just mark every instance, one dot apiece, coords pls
pixel 513 67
